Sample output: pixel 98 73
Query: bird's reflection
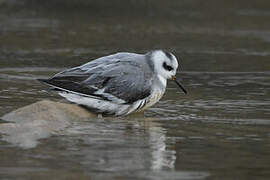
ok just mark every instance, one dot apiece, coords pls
pixel 162 156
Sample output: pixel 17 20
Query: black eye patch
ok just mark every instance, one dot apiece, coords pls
pixel 168 68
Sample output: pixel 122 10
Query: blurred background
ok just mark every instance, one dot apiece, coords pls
pixel 219 130
pixel 206 35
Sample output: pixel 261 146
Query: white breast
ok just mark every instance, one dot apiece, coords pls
pixel 154 98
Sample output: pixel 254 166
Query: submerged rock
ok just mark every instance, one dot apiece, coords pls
pixel 39 120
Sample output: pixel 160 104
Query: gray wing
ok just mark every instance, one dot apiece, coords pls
pixel 124 77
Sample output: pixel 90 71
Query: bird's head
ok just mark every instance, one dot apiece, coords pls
pixel 165 66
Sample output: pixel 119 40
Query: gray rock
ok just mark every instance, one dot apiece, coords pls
pixel 39 120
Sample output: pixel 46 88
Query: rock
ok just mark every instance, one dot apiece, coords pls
pixel 49 111
pixel 39 120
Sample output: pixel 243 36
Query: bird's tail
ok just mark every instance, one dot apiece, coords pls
pixel 43 80
pixel 47 81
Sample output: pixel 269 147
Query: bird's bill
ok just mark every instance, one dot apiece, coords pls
pixel 180 85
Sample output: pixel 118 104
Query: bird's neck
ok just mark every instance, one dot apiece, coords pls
pixel 162 80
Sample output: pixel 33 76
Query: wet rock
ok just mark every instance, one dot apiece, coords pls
pixel 39 120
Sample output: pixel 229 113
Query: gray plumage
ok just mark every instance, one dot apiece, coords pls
pixel 121 74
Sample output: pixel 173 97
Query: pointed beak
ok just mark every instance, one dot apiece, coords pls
pixel 180 85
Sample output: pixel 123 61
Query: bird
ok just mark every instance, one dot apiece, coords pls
pixel 118 84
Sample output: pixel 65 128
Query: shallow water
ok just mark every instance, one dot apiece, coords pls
pixel 220 130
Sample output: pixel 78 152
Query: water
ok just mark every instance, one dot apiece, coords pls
pixel 220 130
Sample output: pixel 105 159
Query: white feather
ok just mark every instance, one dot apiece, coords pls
pixel 103 106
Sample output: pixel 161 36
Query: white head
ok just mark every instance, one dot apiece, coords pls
pixel 165 63
pixel 165 66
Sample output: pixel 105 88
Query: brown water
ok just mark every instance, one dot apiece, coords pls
pixel 220 130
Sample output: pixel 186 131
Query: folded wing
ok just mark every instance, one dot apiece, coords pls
pixel 121 78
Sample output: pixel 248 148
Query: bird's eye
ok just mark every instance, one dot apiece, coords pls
pixel 167 67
